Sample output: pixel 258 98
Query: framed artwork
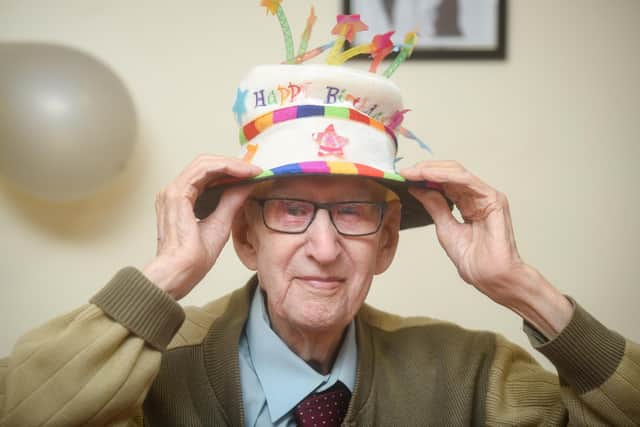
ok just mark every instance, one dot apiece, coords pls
pixel 448 29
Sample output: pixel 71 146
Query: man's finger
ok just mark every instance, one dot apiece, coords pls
pixel 208 173
pixel 209 177
pixel 451 173
pixel 205 170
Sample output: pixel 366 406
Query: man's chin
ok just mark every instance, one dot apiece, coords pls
pixel 318 318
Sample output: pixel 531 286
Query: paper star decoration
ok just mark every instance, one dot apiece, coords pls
pixel 239 107
pixel 271 5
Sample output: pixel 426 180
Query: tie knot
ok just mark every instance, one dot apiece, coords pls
pixel 325 409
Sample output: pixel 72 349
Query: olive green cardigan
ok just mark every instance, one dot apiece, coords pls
pixel 121 360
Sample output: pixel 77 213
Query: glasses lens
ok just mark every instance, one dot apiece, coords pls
pixel 357 218
pixel 289 216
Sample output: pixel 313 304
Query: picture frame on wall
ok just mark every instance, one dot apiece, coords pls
pixel 447 29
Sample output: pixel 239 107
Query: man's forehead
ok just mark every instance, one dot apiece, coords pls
pixel 311 187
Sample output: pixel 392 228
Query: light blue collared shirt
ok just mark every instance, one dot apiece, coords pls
pixel 274 379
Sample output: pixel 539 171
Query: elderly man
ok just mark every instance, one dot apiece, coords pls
pixel 315 208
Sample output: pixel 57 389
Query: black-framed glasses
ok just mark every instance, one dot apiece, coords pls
pixel 294 216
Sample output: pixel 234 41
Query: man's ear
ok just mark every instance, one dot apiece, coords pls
pixel 389 236
pixel 244 241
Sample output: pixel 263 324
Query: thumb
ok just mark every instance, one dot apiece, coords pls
pixel 435 204
pixel 447 226
pixel 216 227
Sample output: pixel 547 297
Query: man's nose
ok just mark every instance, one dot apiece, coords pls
pixel 323 239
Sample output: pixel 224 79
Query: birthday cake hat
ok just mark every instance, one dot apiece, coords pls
pixel 324 119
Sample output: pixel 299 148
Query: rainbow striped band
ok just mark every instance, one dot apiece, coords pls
pixel 319 167
pixel 329 168
pixel 265 121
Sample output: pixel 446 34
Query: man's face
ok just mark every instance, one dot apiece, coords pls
pixel 318 280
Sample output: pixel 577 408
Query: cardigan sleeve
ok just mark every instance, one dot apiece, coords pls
pixel 598 381
pixel 92 366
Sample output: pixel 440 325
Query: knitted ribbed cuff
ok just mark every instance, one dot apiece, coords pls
pixel 143 308
pixel 585 353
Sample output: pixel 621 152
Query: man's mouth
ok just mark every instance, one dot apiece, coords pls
pixel 322 283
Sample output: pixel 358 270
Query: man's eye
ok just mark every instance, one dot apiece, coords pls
pixel 349 210
pixel 296 209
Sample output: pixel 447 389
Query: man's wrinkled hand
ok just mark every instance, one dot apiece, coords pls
pixel 187 247
pixel 483 247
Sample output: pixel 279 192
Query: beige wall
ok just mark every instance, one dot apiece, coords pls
pixel 555 127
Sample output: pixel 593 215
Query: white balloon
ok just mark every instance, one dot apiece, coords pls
pixel 67 123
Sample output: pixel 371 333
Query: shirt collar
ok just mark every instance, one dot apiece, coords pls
pixel 286 379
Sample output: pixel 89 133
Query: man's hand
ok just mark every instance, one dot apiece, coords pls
pixel 483 247
pixel 188 247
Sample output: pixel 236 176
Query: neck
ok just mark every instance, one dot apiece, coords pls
pixel 319 348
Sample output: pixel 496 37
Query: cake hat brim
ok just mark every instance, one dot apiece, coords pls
pixel 413 212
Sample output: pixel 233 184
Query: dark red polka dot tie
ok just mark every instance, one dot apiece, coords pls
pixel 325 409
